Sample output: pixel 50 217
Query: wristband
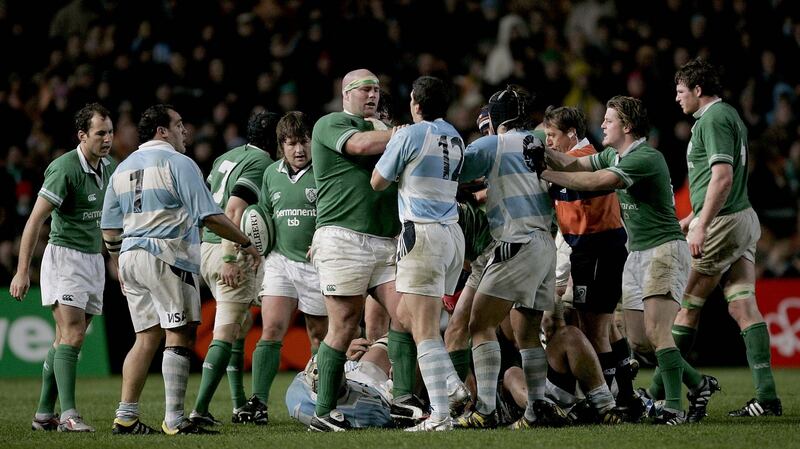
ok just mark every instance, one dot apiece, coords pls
pixel 227 258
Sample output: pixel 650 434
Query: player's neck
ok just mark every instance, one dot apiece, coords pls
pixel 92 160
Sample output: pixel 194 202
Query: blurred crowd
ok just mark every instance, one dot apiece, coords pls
pixel 218 60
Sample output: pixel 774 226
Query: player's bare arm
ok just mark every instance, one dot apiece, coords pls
pixel 224 227
pixel 585 181
pixel 30 235
pixel 378 182
pixel 564 162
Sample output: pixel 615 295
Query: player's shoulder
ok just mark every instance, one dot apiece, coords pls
pixel 67 161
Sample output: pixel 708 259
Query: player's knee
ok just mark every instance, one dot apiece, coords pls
pixel 273 331
pixel 691 303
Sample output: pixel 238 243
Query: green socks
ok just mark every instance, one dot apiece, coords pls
pixel 330 364
pixel 266 360
pixel 670 363
pixel 460 359
pixel 65 364
pixel 403 355
pixel 756 341
pixel 684 339
pixel 49 394
pixel 214 366
pixel 236 372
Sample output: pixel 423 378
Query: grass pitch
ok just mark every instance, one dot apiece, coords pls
pixel 97 399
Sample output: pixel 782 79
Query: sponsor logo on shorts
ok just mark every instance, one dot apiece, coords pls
pixel 68 298
pixel 176 317
pixel 330 288
pixel 579 294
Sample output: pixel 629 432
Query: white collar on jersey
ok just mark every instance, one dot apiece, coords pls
pixel 282 169
pixel 85 164
pixel 632 146
pixel 699 113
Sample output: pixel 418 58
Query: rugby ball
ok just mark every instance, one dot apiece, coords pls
pixel 258 226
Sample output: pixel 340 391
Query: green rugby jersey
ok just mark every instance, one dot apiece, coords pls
pixel 647 203
pixel 77 192
pixel 344 195
pixel 718 136
pixel 292 206
pixel 475 226
pixel 240 167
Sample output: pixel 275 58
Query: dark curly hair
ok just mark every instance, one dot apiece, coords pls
pixel 152 118
pixel 698 72
pixel 83 118
pixel 632 113
pixel 261 131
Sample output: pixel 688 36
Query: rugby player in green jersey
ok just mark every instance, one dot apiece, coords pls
pixel 235 182
pixel 354 245
pixel 290 281
pixel 657 267
pixel 723 228
pixel 73 270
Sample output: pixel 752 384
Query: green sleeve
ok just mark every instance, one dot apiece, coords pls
pixel 603 159
pixel 333 130
pixel 633 167
pixel 250 177
pixel 719 141
pixel 56 184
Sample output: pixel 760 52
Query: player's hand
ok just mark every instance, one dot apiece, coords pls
pixel 397 128
pixel 696 239
pixel 255 257
pixel 685 221
pixel 19 286
pixel 358 348
pixel 377 125
pixel 230 273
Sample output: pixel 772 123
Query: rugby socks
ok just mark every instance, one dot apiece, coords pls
pixel 486 357
pixel 622 358
pixel 65 365
pixel 601 399
pixel 403 355
pixel 436 367
pixel 214 366
pixel 175 369
pixel 49 393
pixel 609 366
pixel 235 372
pixel 671 365
pixel 266 361
pixel 684 337
pixel 756 341
pixel 127 412
pixel 330 364
pixel 534 365
pixel 460 359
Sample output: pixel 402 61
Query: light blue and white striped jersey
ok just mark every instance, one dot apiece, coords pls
pixel 517 200
pixel 158 198
pixel 426 160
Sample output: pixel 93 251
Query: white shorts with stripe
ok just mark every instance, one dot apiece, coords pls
pixel 292 279
pixel 523 273
pixel 73 278
pixel 430 257
pixel 349 263
pixel 157 293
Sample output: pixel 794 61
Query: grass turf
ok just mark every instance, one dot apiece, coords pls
pixel 97 400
